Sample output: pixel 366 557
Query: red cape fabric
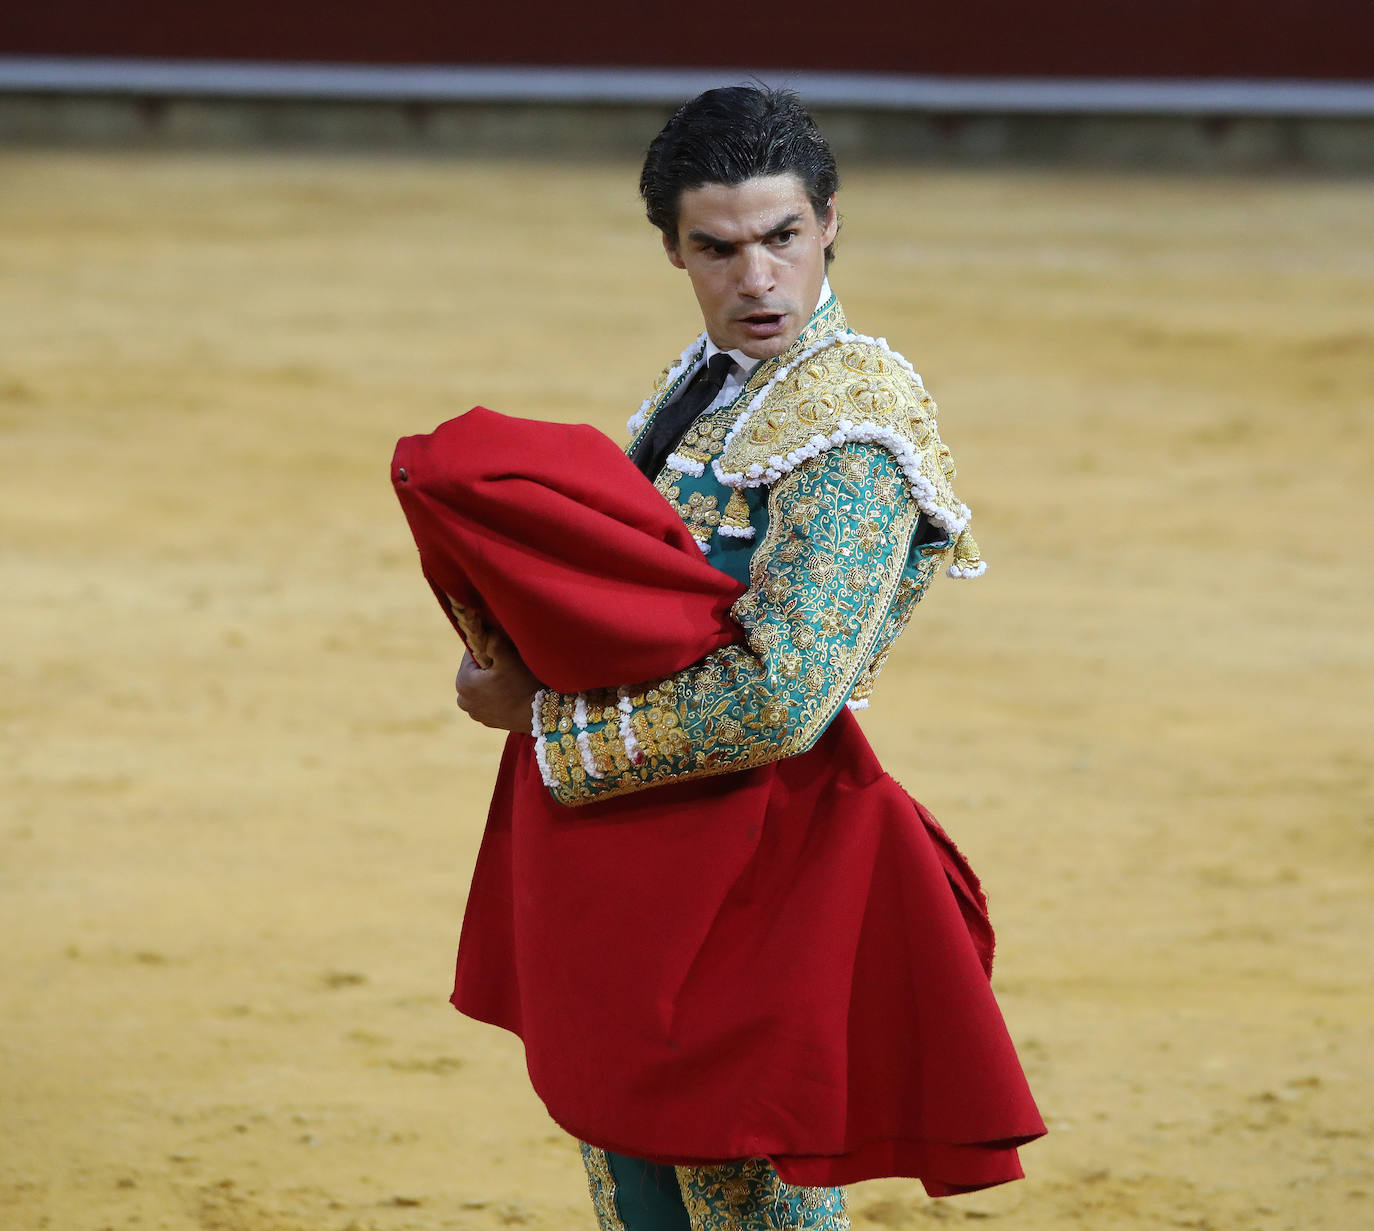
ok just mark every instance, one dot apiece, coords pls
pixel 789 961
pixel 549 531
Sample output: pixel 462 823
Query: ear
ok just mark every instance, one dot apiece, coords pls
pixel 674 256
pixel 830 225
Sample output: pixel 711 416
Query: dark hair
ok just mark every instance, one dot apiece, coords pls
pixel 730 135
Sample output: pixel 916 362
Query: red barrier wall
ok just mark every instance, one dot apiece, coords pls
pixel 1315 39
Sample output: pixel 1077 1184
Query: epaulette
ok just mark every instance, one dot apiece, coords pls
pixel 851 388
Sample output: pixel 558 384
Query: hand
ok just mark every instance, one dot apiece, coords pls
pixel 501 695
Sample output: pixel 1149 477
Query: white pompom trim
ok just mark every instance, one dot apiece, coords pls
pixel 584 740
pixel 846 431
pixel 584 748
pixel 541 754
pixel 685 361
pixel 627 735
pixel 860 704
pixel 736 532
pixel 966 573
pixel 686 465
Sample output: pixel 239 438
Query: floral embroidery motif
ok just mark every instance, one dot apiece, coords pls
pixel 750 1196
pixel 925 563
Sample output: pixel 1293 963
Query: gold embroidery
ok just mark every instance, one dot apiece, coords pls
pixel 557 712
pixel 557 761
pixel 474 631
pixel 749 1195
pixel 966 551
pixel 910 592
pixel 607 750
pixel 701 515
pixel 702 441
pixel 736 515
pixel 601 1186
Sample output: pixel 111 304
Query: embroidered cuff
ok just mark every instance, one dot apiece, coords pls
pixel 579 741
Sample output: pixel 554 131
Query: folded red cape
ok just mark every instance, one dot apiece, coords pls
pixel 549 532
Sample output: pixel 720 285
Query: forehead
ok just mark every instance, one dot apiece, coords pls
pixel 741 211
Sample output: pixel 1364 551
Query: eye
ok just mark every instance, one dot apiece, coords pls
pixel 783 238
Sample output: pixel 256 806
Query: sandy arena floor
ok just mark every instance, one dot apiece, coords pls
pixel 239 806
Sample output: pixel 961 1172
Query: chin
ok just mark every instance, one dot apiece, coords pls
pixel 766 348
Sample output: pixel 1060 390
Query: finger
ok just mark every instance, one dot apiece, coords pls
pixel 501 647
pixel 507 657
pixel 469 674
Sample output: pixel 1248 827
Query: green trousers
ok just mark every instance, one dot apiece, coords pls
pixel 630 1194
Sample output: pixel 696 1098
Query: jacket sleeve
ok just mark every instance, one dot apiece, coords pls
pixel 834 553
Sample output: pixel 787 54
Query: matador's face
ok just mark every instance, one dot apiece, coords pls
pixel 755 253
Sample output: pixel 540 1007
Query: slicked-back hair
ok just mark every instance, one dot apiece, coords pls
pixel 730 135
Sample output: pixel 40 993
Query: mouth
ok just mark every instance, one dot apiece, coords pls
pixel 763 324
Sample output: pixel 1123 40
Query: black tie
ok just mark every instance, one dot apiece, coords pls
pixel 674 419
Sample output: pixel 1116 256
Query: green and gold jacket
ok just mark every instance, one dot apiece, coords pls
pixel 825 487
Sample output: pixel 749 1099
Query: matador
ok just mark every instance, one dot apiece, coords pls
pixel 747 967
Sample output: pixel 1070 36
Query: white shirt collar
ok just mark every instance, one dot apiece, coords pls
pixel 743 361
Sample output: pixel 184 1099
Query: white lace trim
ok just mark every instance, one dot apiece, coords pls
pixel 684 361
pixel 541 754
pixel 627 735
pixel 966 573
pixel 686 465
pixel 908 458
pixel 584 748
pixel 584 739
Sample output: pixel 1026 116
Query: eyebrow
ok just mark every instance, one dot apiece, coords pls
pixel 715 241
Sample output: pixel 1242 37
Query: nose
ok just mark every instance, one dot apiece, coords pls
pixel 756 272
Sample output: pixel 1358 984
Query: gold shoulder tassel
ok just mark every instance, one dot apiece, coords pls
pixel 736 515
pixel 967 562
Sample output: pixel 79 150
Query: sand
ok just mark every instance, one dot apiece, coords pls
pixel 240 808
